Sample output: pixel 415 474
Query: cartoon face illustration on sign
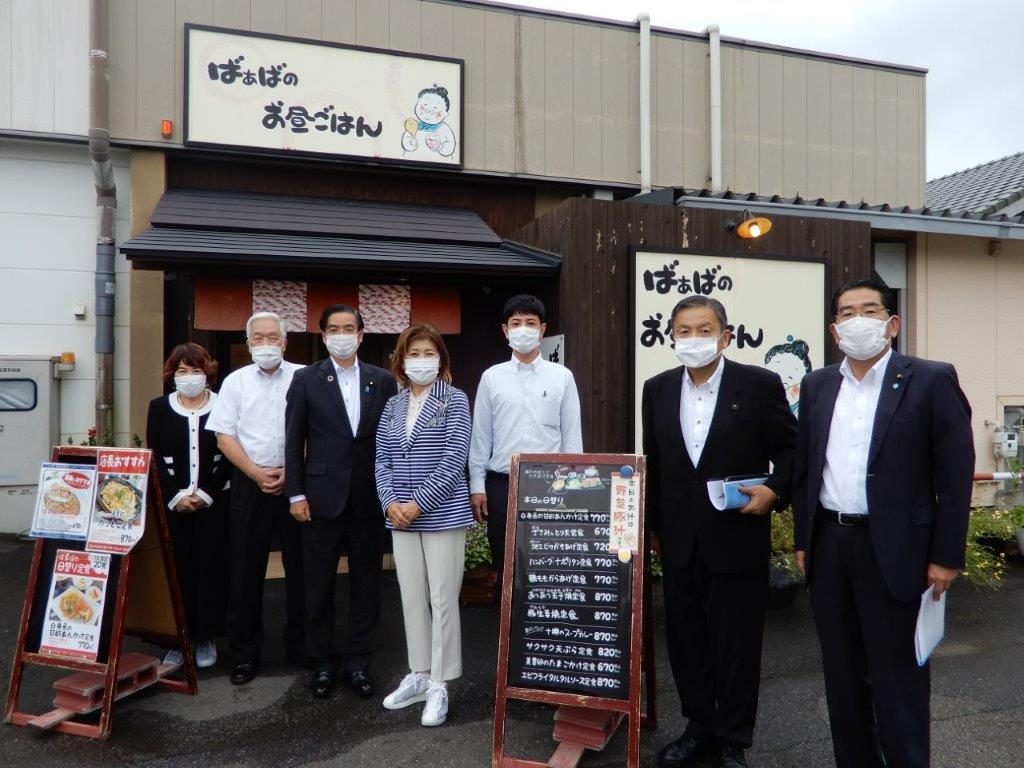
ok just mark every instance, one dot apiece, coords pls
pixel 428 128
pixel 792 361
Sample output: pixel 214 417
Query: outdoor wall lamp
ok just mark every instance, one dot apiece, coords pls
pixel 749 226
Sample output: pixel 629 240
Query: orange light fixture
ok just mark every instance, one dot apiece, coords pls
pixel 167 128
pixel 750 227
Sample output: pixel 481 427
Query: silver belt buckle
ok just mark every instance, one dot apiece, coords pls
pixel 840 516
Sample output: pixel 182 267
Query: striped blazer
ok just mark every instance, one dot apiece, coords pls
pixel 430 466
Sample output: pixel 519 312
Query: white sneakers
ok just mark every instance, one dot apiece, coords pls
pixel 412 689
pixel 416 687
pixel 206 654
pixel 436 710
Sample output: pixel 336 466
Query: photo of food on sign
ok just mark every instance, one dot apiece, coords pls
pixel 118 499
pixel 571 478
pixel 77 601
pixel 564 486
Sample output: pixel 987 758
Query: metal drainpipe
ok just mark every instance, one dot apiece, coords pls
pixel 645 102
pixel 106 208
pixel 715 88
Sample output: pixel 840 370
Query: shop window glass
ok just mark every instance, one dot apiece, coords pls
pixel 17 395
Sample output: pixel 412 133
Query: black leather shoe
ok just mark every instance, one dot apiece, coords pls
pixel 322 685
pixel 244 672
pixel 361 682
pixel 732 757
pixel 684 751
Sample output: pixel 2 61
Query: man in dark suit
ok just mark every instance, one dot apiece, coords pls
pixel 711 419
pixel 882 493
pixel 331 420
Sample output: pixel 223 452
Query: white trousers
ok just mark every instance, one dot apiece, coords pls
pixel 430 567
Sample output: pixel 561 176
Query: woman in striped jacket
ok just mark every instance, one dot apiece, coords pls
pixel 422 449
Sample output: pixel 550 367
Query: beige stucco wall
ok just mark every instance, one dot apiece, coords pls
pixel 967 310
pixel 554 97
pixel 149 180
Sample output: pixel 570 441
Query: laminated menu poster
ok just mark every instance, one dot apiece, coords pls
pixel 64 501
pixel 74 615
pixel 119 510
pixel 571 597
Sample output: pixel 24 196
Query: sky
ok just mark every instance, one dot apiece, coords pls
pixel 975 84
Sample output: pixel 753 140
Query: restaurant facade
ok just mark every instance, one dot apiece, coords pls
pixel 427 159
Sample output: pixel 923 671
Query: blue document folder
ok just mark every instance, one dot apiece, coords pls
pixel 726 494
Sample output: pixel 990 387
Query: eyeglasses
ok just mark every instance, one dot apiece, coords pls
pixel 875 313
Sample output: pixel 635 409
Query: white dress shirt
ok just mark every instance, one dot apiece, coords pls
pixel 193 446
pixel 348 383
pixel 844 481
pixel 697 409
pixel 522 408
pixel 250 409
pixel 415 406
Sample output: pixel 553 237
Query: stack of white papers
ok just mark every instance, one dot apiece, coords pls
pixel 931 625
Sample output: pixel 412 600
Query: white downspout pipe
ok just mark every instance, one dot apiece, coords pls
pixel 715 88
pixel 645 102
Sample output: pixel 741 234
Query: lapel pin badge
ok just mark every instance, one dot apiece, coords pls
pixel 896 385
pixel 330 378
pixel 735 407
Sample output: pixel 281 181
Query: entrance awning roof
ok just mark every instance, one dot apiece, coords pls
pixel 219 228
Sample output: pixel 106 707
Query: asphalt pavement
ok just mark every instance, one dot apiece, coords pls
pixel 977 699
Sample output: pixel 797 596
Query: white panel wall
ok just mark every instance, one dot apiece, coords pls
pixel 47 216
pixel 44 66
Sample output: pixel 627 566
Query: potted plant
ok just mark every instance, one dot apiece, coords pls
pixel 784 578
pixel 1017 517
pixel 993 528
pixel 479 581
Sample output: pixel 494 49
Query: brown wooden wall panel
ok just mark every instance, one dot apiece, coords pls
pixel 505 207
pixel 439 307
pixel 222 304
pixel 594 303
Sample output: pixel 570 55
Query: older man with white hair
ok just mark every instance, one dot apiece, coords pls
pixel 248 418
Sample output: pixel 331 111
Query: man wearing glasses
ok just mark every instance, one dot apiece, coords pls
pixel 883 472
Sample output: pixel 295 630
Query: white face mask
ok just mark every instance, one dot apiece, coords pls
pixel 267 357
pixel 342 345
pixel 862 337
pixel 190 385
pixel 524 339
pixel 697 351
pixel 422 370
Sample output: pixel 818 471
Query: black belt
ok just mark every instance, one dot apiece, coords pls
pixel 842 518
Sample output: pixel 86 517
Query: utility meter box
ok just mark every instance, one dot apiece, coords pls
pixel 29 428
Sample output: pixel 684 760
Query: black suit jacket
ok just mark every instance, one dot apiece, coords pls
pixel 752 426
pixel 920 468
pixel 323 459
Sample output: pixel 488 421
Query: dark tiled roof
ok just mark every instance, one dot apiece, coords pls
pixel 985 188
pixel 681 196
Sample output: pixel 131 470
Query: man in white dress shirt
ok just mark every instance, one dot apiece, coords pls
pixel 524 405
pixel 248 418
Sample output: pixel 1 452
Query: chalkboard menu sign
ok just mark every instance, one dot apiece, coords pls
pixel 574 606
pixel 571 602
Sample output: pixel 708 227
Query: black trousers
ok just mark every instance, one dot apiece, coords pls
pixel 714 624
pixel 324 540
pixel 496 485
pixel 878 698
pixel 253 518
pixel 200 543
